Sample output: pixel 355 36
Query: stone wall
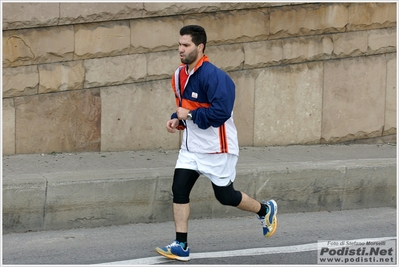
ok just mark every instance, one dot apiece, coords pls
pixel 96 76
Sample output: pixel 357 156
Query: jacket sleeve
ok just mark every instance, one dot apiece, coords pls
pixel 220 90
pixel 173 116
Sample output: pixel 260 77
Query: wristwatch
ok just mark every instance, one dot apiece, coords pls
pixel 190 115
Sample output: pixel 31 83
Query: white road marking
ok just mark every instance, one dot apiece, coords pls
pixel 238 253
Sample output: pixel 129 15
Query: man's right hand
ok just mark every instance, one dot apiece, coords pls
pixel 171 125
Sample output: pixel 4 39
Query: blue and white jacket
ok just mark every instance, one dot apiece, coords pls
pixel 210 93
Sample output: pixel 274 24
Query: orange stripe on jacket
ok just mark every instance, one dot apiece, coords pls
pixel 191 105
pixel 224 148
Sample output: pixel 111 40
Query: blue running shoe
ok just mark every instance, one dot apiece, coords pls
pixel 269 222
pixel 174 251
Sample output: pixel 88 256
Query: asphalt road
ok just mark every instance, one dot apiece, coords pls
pixel 229 241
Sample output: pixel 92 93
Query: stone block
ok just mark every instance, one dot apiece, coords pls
pixel 304 49
pixel 163 202
pixel 353 98
pixel 350 44
pixel 226 57
pixel 382 40
pixel 28 15
pixel 126 121
pixel 370 186
pixel 288 105
pixel 102 39
pixel 24 198
pixel 391 97
pixel 58 122
pixel 238 26
pixel 307 19
pixel 58 77
pixel 244 105
pixel 73 13
pixel 152 9
pixel 20 81
pixel 371 15
pixel 298 187
pixel 38 45
pixel 263 53
pixel 93 199
pixel 154 34
pixel 8 126
pixel 121 43
pixel 108 71
pixel 162 64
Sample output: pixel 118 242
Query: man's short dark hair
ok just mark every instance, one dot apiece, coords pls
pixel 197 33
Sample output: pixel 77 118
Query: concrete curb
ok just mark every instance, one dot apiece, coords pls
pixel 92 198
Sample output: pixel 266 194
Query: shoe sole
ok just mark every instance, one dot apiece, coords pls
pixel 171 256
pixel 269 234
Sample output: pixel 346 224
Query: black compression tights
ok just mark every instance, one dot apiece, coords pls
pixel 184 180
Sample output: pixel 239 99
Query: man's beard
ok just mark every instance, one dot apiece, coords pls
pixel 190 58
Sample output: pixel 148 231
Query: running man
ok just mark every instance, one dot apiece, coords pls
pixel 205 98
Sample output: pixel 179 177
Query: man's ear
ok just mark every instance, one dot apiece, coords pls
pixel 201 47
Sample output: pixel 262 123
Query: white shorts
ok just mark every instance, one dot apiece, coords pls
pixel 219 168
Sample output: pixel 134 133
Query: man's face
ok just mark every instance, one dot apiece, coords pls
pixel 188 51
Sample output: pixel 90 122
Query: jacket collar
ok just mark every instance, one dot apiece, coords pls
pixel 199 63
